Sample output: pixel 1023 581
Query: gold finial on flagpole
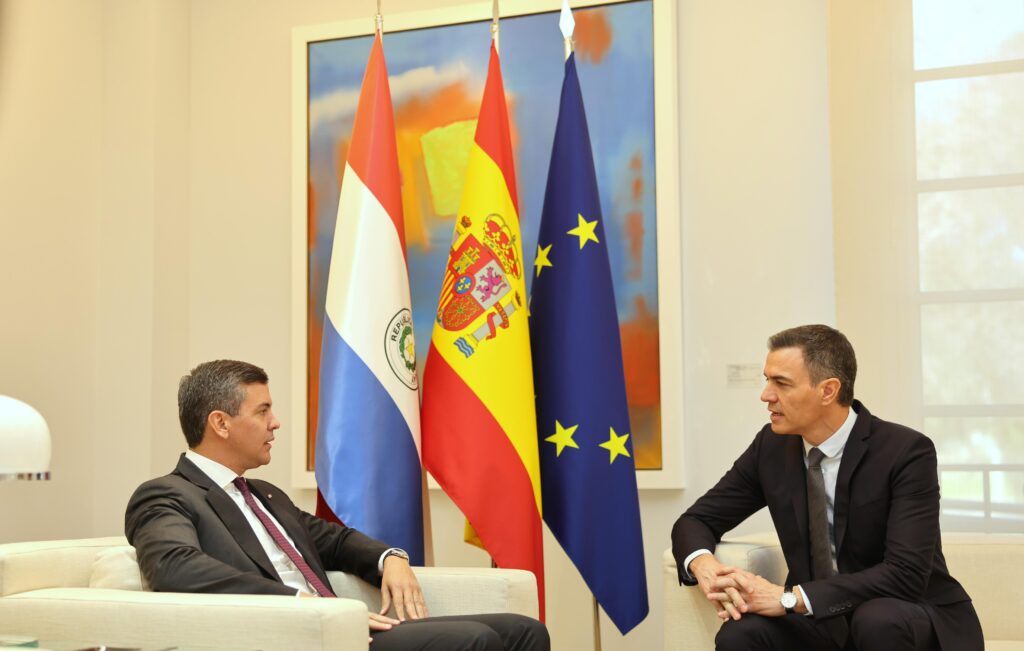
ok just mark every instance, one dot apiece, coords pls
pixel 567 24
pixel 379 19
pixel 494 24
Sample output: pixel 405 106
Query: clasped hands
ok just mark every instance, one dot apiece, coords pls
pixel 735 592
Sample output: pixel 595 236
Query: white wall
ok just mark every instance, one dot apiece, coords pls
pixel 50 192
pixel 165 240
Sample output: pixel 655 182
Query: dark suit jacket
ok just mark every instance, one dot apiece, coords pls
pixel 886 523
pixel 191 537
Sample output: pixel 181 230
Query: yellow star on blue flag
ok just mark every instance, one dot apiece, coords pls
pixel 584 230
pixel 615 445
pixel 562 438
pixel 542 259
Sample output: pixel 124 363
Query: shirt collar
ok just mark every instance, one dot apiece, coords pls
pixel 833 445
pixel 221 475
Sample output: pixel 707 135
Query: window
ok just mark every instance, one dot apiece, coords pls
pixel 968 78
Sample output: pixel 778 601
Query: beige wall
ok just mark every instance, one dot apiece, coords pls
pixel 144 208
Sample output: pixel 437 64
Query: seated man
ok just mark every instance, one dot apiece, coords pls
pixel 855 502
pixel 204 528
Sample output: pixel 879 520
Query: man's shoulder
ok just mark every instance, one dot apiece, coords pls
pixel 894 442
pixel 169 486
pixel 892 432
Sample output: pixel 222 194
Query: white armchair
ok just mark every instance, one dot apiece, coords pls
pixel 91 591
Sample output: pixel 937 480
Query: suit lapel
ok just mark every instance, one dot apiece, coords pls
pixel 230 515
pixel 853 453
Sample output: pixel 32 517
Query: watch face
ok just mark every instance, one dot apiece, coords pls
pixel 788 600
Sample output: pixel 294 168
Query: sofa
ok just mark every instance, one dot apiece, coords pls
pixel 988 566
pixel 91 591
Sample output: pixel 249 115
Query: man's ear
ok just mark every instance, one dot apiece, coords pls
pixel 829 390
pixel 217 422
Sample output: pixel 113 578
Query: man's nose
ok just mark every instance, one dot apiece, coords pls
pixel 274 423
pixel 767 395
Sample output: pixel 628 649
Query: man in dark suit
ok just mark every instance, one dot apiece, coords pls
pixel 855 502
pixel 204 528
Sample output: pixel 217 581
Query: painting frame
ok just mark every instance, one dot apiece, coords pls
pixel 667 206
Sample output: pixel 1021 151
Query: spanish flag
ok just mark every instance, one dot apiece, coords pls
pixel 479 427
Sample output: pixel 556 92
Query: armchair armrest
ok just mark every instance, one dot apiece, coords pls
pixel 456 590
pixel 160 619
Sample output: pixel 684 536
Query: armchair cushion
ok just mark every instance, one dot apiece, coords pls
pixel 117 568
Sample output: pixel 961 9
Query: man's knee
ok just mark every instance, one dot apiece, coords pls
pixel 527 633
pixel 749 632
pixel 471 636
pixel 886 622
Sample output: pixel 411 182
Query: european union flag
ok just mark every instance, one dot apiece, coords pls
pixel 588 478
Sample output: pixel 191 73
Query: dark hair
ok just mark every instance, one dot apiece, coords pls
pixel 213 386
pixel 827 354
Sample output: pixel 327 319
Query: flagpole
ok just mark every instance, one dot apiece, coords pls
pixel 379 19
pixel 494 25
pixel 567 24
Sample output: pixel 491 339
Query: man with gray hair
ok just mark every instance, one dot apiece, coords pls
pixel 855 502
pixel 206 528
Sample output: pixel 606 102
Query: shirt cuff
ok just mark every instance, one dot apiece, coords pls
pixel 689 559
pixel 807 601
pixel 380 561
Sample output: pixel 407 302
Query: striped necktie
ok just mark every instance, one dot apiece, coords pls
pixel 282 542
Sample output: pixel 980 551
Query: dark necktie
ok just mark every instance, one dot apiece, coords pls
pixel 821 543
pixel 282 542
pixel 817 517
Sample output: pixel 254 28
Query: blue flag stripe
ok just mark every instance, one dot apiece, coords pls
pixel 348 468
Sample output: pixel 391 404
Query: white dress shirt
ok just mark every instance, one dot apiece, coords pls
pixel 832 448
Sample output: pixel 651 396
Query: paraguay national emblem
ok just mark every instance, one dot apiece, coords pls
pixel 477 297
pixel 400 348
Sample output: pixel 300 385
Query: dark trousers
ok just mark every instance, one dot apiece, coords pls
pixel 890 624
pixel 498 632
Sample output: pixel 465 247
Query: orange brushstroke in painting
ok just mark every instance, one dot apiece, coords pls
pixel 640 355
pixel 640 358
pixel 593 35
pixel 634 225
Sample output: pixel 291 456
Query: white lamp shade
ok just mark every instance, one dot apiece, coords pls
pixel 24 439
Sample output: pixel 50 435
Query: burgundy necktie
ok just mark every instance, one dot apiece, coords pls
pixel 281 541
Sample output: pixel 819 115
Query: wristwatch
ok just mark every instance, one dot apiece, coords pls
pixel 401 553
pixel 788 600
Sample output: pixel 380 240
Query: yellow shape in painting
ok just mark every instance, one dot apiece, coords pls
pixel 616 445
pixel 584 231
pixel 562 438
pixel 542 258
pixel 445 158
